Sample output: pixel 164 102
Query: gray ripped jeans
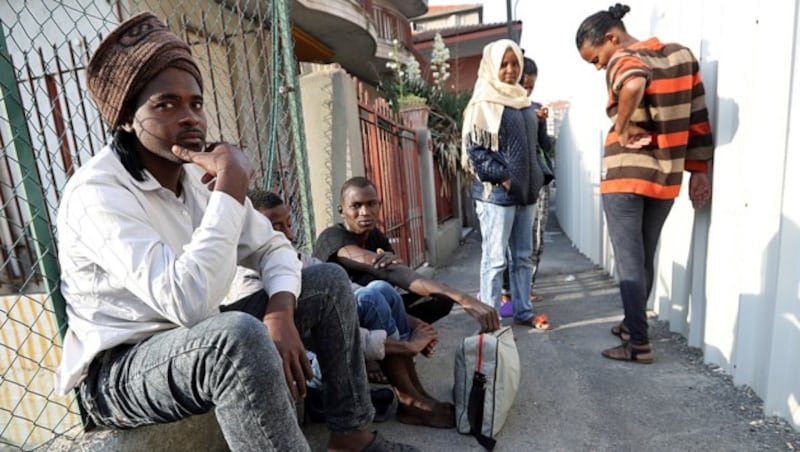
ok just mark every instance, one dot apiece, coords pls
pixel 230 364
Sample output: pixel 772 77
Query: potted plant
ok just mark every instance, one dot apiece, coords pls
pixel 431 106
pixel 405 88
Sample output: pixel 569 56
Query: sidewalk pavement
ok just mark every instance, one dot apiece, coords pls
pixel 571 398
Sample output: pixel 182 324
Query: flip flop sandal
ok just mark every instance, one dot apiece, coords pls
pixel 542 322
pixel 384 402
pixel 381 444
pixel 507 309
pixel 539 322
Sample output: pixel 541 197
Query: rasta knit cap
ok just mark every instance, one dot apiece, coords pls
pixel 134 53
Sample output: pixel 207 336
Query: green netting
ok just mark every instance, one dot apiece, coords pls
pixel 49 127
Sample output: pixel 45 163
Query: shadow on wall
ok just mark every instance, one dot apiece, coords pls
pixel 766 334
pixel 783 387
pixel 678 312
pixel 723 112
pixel 727 119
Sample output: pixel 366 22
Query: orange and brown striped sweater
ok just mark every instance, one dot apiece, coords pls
pixel 673 109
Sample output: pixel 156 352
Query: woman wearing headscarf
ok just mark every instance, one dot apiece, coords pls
pixel 499 151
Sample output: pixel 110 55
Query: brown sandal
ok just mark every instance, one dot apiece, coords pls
pixel 439 417
pixel 621 331
pixel 642 354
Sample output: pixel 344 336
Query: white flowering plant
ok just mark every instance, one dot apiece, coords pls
pixel 406 87
pixel 440 67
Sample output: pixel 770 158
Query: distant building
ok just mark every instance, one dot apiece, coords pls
pixel 558 108
pixel 449 16
pixel 464 34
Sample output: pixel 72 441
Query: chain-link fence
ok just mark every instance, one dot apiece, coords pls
pixel 49 127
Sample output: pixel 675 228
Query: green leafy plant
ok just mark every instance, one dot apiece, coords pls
pixel 445 122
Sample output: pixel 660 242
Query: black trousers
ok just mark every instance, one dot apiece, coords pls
pixel 428 309
pixel 634 226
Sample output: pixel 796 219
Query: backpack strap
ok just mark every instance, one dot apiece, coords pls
pixel 477 396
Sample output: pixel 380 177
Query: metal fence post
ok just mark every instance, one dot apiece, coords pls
pixel 32 191
pixel 292 93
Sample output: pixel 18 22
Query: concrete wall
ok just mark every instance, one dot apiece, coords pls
pixel 188 435
pixel 333 138
pixel 441 239
pixel 728 276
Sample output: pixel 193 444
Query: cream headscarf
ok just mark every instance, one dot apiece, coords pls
pixel 490 95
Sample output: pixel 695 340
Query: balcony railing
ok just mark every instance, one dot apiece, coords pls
pixel 390 25
pixel 367 5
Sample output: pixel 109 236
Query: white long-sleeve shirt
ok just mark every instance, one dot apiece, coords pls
pixel 136 259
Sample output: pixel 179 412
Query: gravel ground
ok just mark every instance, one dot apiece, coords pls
pixel 772 432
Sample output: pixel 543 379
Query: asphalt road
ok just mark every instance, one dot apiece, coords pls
pixel 570 397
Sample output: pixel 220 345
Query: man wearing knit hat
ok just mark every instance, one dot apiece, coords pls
pixel 148 247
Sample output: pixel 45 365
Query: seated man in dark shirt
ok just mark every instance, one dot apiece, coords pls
pixel 380 307
pixel 365 252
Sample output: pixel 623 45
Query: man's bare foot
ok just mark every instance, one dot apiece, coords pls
pixel 421 338
pixel 375 374
pixel 430 349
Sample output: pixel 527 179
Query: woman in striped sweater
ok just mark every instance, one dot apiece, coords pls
pixel 656 102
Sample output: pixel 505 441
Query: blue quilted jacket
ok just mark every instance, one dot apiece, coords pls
pixel 515 160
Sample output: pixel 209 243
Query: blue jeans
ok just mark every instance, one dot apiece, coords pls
pixel 230 364
pixel 634 226
pixel 380 307
pixel 507 228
